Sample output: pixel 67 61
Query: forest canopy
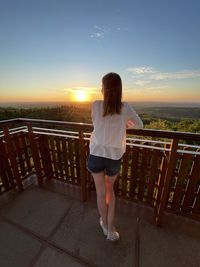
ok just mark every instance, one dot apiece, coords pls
pixel 163 119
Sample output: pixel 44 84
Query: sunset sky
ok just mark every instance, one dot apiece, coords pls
pixel 52 49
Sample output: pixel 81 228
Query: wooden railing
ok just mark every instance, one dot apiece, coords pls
pixel 159 168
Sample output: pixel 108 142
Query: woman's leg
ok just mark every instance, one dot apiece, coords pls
pixel 99 180
pixel 110 200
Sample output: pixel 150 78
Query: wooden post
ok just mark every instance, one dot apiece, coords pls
pixel 46 158
pixel 12 157
pixel 35 153
pixel 166 183
pixel 82 167
pixel 3 170
pixel 161 179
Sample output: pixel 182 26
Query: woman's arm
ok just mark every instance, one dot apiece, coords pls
pixel 133 120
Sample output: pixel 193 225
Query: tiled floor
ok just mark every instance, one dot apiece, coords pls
pixel 42 229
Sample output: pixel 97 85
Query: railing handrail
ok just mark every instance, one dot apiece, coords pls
pixel 89 127
pixel 133 142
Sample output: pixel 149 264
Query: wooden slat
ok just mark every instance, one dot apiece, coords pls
pixel 45 156
pixel 21 149
pixel 6 169
pixel 196 209
pixel 82 167
pixel 35 154
pixel 3 171
pixel 125 172
pixel 59 157
pixel 167 180
pixel 51 138
pixel 90 181
pixel 17 140
pixel 25 150
pixel 181 177
pixel 12 158
pixel 50 154
pixel 65 159
pixel 161 179
pixel 153 177
pixel 134 164
pixel 192 184
pixel 77 156
pixel 145 154
pixel 71 158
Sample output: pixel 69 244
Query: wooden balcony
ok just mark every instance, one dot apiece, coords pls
pixel 158 184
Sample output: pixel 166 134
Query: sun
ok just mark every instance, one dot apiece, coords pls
pixel 81 95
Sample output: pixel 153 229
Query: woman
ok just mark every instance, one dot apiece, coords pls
pixel 110 118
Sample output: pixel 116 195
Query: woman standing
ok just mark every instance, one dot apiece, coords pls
pixel 110 118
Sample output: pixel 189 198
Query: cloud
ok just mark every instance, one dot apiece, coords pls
pixel 149 74
pixel 99 32
pixel 141 82
pixel 141 70
pixel 99 35
pixel 91 90
pixel 175 75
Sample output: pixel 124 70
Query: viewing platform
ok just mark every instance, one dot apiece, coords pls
pixel 49 216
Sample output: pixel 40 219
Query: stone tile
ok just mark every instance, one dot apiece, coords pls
pixel 37 210
pixel 81 234
pixel 162 248
pixel 68 233
pixel 16 248
pixel 51 258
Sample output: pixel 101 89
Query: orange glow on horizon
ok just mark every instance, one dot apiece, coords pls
pixel 87 94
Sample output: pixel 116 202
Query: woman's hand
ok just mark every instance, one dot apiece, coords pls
pixel 130 124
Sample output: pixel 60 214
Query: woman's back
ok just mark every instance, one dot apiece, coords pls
pixel 109 136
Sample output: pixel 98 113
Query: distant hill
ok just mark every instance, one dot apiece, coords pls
pixel 138 105
pixel 171 113
pixel 185 119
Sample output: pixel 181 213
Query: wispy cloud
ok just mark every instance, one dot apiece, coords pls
pixel 145 75
pixel 141 82
pixel 174 75
pixel 150 74
pixel 141 70
pixel 91 90
pixel 99 32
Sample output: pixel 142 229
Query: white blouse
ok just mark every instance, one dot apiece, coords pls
pixel 108 138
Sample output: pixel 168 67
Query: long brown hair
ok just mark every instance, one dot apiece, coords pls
pixel 112 92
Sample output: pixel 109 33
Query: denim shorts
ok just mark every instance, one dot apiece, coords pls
pixel 97 164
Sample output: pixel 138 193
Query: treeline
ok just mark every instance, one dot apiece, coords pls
pixel 63 113
pixel 83 114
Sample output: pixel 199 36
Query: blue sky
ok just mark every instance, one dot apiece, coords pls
pixel 49 49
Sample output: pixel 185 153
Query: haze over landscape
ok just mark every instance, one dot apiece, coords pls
pixel 58 51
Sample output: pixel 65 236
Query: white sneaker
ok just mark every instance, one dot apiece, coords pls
pixel 105 231
pixel 113 236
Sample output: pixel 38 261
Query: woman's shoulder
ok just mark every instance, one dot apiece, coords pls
pixel 96 103
pixel 125 105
